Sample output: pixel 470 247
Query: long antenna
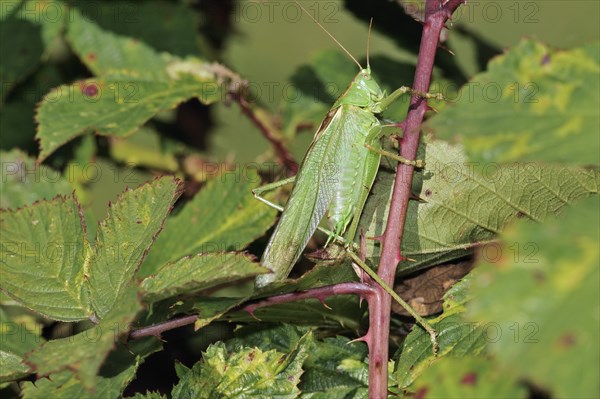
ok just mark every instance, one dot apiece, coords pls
pixel 329 34
pixel 369 43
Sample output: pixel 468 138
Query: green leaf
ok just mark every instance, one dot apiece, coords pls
pixel 104 52
pixel 134 84
pixel 463 206
pixel 48 265
pixel 25 182
pixel 336 369
pixel 85 352
pixel 530 102
pixel 11 366
pixel 125 236
pixel 116 106
pixel 247 373
pixel 456 338
pixel 468 377
pixel 199 272
pixel 223 216
pixel 19 333
pixel 65 384
pixel 19 330
pixel 282 338
pixel 165 26
pixel 149 395
pixel 114 376
pixel 541 294
pixel 43 247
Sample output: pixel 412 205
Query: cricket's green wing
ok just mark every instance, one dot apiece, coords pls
pixel 313 191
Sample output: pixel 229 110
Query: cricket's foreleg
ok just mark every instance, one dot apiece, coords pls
pixel 372 143
pixel 418 163
pixel 418 318
pixel 435 96
pixel 403 90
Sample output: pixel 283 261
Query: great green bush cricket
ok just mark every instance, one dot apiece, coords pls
pixel 335 178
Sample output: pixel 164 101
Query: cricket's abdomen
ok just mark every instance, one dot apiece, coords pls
pixel 351 172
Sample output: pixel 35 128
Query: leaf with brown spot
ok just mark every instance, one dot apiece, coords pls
pixel 425 290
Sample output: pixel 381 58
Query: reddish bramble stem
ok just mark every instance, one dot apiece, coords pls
pixel 363 290
pixel 284 155
pixel 436 14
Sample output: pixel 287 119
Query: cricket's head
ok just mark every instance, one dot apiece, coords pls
pixel 364 81
pixel 364 91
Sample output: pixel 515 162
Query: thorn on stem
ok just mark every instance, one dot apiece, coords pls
pixel 325 305
pixel 364 338
pixel 402 125
pixel 443 47
pixel 399 257
pixel 251 311
pixel 416 198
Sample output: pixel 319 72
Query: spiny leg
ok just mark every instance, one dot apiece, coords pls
pixel 435 96
pixel 419 163
pixel 405 89
pixel 372 143
pixel 385 103
pixel 420 320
